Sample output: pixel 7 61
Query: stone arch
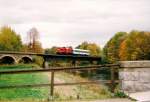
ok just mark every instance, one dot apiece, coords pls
pixel 8 59
pixel 25 59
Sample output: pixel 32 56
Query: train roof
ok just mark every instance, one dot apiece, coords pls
pixel 81 50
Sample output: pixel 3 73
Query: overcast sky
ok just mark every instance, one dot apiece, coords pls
pixel 70 22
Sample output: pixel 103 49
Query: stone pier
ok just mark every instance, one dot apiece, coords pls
pixel 135 76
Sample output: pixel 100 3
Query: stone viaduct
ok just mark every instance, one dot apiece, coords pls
pixel 14 58
pixel 17 57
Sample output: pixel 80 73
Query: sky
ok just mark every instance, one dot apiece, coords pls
pixel 70 22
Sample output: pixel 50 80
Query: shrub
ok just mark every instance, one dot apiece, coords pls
pixel 38 60
pixel 119 93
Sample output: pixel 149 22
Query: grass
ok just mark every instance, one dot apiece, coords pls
pixel 17 79
pixel 20 66
pixel 90 91
pixel 42 94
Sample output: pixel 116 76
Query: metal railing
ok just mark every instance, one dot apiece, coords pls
pixel 112 81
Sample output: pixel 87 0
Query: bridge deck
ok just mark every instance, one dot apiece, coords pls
pixel 47 56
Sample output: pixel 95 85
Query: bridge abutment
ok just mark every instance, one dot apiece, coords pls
pixel 135 76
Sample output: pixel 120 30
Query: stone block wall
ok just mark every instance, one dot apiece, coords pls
pixel 134 76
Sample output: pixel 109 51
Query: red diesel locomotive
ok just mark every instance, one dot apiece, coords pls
pixel 64 50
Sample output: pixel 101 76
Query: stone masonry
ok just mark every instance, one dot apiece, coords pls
pixel 135 76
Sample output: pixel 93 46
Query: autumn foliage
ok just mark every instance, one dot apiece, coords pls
pixel 94 49
pixel 112 48
pixel 9 40
pixel 134 45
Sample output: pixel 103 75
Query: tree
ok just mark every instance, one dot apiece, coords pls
pixel 37 47
pixel 111 49
pixel 24 48
pixel 94 51
pixel 9 40
pixel 51 50
pixel 136 46
pixel 92 47
pixel 33 41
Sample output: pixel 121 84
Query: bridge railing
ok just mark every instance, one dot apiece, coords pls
pixel 113 68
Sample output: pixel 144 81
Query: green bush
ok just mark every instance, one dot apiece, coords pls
pixel 38 60
pixel 120 94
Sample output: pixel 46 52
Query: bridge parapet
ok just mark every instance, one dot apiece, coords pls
pixel 135 76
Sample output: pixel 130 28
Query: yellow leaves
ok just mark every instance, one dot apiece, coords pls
pixel 111 50
pixel 136 46
pixel 94 49
pixel 122 51
pixel 9 40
